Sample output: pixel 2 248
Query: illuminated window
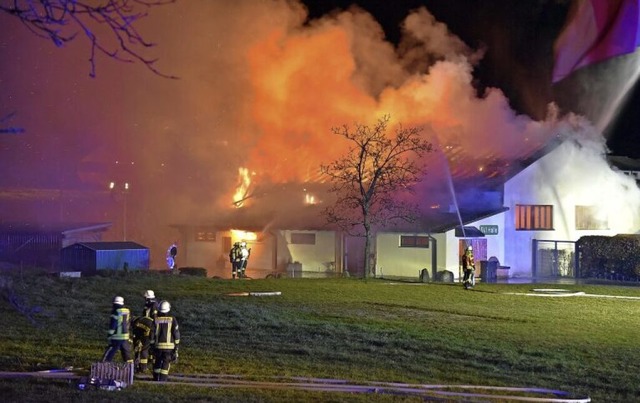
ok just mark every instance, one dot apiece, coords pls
pixel 534 217
pixel 414 241
pixel 205 235
pixel 303 238
pixel 591 218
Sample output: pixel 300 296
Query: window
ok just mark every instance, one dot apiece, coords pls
pixel 534 217
pixel 303 238
pixel 205 235
pixel 414 241
pixel 591 218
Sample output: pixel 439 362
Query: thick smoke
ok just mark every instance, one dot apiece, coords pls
pixel 260 88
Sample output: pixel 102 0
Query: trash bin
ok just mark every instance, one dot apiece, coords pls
pixel 445 276
pixel 488 271
pixel 424 276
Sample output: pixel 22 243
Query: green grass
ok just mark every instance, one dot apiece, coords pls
pixel 335 328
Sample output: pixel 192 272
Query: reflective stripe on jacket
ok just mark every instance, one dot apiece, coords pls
pixel 167 335
pixel 120 324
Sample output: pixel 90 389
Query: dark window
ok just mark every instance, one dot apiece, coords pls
pixel 303 238
pixel 534 217
pixel 414 241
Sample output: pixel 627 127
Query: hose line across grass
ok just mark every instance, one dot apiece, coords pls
pixel 499 393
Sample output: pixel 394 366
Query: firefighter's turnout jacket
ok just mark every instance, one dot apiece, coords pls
pixel 167 333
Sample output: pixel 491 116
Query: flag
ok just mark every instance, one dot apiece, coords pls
pixel 596 30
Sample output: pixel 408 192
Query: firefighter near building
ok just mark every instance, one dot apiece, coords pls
pixel 468 268
pixel 239 256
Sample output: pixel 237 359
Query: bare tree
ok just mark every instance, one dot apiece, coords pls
pixel 371 176
pixel 62 20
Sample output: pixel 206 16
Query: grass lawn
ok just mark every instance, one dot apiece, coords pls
pixel 349 329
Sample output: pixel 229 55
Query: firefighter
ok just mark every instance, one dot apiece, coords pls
pixel 150 309
pixel 244 257
pixel 165 342
pixel 235 257
pixel 143 329
pixel 468 268
pixel 119 326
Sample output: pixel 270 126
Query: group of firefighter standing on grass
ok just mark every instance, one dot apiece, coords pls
pixel 152 338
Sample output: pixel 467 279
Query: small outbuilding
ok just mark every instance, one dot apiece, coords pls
pixel 91 257
pixel 28 244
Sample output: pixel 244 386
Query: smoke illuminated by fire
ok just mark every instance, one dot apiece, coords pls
pixel 340 71
pixel 260 88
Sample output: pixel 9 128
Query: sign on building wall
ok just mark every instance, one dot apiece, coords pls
pixel 489 229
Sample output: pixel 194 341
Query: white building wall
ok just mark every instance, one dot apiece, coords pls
pixel 567 177
pixel 395 261
pixel 316 259
pixel 449 251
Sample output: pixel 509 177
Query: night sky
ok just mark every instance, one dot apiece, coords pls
pixel 261 83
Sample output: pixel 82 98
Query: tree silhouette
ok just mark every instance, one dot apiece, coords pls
pixel 369 179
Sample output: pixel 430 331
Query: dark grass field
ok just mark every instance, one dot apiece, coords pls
pixel 360 331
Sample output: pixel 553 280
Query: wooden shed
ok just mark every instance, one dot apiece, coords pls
pixel 91 257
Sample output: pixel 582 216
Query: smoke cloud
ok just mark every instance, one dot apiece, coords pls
pixel 260 88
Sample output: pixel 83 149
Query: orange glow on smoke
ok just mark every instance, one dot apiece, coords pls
pixel 303 88
pixel 306 82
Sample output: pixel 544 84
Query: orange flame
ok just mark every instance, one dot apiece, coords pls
pixel 242 191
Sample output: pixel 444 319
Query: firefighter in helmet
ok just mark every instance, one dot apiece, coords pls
pixel 119 327
pixel 468 268
pixel 165 342
pixel 244 257
pixel 150 309
pixel 143 328
pixel 235 257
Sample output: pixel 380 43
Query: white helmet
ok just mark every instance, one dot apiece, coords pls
pixel 469 247
pixel 118 301
pixel 164 307
pixel 149 294
pixel 243 244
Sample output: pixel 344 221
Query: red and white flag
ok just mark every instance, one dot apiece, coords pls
pixel 596 30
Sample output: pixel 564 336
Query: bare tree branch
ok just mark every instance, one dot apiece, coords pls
pixel 61 20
